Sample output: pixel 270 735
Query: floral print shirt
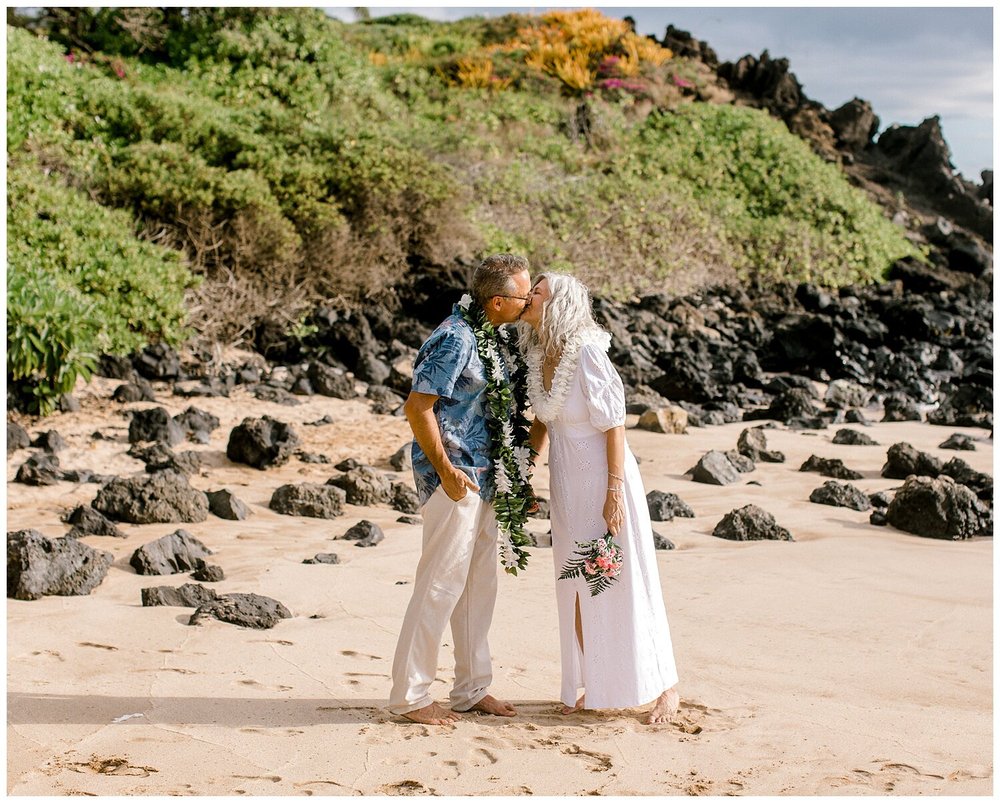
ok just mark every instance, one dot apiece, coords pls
pixel 448 366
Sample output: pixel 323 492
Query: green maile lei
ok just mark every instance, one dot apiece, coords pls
pixel 507 426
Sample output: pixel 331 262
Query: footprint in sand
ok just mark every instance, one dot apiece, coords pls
pixel 407 787
pixel 694 718
pixel 261 685
pixel 50 654
pixel 324 783
pixel 598 762
pixel 113 765
pixel 480 753
pixel 271 778
pixel 353 654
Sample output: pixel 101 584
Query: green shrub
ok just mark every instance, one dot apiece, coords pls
pixel 797 215
pixel 79 283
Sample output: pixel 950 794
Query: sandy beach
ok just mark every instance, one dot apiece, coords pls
pixel 856 660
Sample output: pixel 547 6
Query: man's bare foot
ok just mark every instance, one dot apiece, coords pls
pixel 432 714
pixel 664 708
pixel 491 705
pixel 579 706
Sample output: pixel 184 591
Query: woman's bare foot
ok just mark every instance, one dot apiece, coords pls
pixel 664 708
pixel 491 705
pixel 432 714
pixel 579 706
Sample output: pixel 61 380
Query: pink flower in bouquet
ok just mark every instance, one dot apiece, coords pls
pixel 590 567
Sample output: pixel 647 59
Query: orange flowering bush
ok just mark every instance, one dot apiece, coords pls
pixel 576 46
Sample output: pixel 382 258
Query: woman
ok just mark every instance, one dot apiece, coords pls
pixel 616 645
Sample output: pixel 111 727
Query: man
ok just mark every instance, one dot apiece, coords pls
pixel 456 576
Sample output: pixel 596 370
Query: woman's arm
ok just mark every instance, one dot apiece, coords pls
pixel 614 502
pixel 538 436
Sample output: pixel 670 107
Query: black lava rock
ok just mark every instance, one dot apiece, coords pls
pixel 225 505
pixel 904 460
pixel 161 497
pixel 178 552
pixel 189 595
pixel 154 424
pixel 38 566
pixel 245 610
pixel 830 467
pixel 309 499
pixel 750 523
pixel 665 506
pixel 261 442
pixel 939 508
pixel 840 495
pixel 851 437
pixel 365 533
pixel 87 521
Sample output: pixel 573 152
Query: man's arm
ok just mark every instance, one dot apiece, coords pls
pixel 419 410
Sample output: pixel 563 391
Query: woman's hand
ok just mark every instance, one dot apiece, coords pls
pixel 614 510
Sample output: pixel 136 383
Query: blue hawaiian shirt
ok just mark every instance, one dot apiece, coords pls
pixel 448 366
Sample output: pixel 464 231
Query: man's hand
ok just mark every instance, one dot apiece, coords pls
pixel 457 484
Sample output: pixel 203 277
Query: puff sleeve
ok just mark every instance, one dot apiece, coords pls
pixel 602 388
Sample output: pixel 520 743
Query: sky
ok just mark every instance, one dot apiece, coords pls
pixel 910 62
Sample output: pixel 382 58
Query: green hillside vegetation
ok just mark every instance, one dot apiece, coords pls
pixel 227 165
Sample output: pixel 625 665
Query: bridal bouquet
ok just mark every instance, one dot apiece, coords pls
pixel 599 562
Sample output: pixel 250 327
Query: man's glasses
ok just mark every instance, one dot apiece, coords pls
pixel 516 298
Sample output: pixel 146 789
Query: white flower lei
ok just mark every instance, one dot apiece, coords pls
pixel 508 431
pixel 547 404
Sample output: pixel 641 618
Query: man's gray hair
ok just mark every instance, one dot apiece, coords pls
pixel 492 277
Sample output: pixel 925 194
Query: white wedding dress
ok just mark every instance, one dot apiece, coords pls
pixel 627 658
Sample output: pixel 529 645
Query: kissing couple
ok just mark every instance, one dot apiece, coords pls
pixel 473 452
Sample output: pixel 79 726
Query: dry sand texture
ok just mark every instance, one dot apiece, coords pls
pixel 856 660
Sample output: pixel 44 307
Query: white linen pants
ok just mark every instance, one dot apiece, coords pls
pixel 456 580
